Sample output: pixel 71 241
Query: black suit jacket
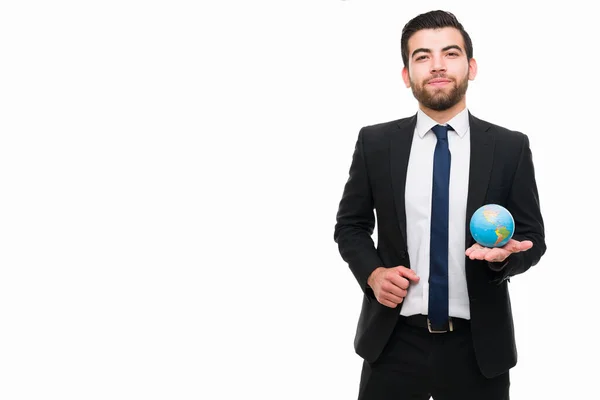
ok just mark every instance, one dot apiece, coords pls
pixel 501 172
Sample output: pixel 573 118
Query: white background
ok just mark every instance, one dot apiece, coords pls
pixel 170 174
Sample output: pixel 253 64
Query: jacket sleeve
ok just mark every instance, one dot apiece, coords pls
pixel 523 202
pixel 355 220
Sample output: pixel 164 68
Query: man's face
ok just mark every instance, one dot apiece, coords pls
pixel 439 71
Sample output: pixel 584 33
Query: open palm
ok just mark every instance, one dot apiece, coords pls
pixel 497 254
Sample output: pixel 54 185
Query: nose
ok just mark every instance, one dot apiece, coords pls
pixel 438 65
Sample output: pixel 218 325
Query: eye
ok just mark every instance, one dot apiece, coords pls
pixel 421 58
pixel 453 54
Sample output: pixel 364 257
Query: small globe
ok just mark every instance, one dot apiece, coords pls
pixel 492 225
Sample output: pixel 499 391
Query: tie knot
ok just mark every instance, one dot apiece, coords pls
pixel 441 131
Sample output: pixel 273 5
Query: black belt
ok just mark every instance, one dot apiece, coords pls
pixel 453 324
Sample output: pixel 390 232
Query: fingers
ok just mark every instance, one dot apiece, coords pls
pixel 407 273
pixel 394 287
pixel 399 289
pixel 497 254
pixel 390 300
pixel 491 255
pixel 471 249
pixel 477 252
pixel 388 303
pixel 393 298
pixel 399 281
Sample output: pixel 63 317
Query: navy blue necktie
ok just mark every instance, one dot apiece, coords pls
pixel 438 253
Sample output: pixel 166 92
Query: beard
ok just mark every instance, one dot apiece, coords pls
pixel 440 99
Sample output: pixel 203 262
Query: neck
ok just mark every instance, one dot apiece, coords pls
pixel 442 117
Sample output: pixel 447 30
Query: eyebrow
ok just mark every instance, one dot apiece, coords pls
pixel 424 50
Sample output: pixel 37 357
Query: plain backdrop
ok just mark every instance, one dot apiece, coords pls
pixel 170 173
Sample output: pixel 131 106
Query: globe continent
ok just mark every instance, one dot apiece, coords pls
pixel 492 225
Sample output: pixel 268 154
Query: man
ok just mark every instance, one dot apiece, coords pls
pixel 436 316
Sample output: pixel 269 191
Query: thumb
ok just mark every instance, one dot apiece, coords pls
pixel 408 273
pixel 514 246
pixel 525 245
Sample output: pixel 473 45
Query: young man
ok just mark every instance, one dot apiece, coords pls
pixel 436 317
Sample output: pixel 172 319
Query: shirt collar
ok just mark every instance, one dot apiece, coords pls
pixel 459 123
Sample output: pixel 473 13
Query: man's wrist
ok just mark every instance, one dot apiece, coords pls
pixel 372 277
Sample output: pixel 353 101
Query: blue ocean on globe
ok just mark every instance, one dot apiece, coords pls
pixel 492 225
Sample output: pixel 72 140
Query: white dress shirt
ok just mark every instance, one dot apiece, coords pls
pixel 418 213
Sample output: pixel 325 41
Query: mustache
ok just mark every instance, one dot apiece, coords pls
pixel 439 76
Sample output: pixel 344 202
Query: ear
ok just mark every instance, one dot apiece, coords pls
pixel 472 69
pixel 406 77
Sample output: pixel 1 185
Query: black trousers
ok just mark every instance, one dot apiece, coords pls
pixel 418 365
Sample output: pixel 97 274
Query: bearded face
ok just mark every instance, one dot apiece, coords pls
pixel 440 92
pixel 438 70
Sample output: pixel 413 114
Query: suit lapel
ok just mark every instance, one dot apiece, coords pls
pixel 400 143
pixel 482 152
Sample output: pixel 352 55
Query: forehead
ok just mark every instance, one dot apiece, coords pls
pixel 435 39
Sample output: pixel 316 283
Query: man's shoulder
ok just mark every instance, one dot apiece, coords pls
pixel 498 130
pixel 384 129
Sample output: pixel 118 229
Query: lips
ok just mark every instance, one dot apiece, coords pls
pixel 438 81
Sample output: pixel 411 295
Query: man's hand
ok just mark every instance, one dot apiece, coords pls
pixel 498 254
pixel 390 285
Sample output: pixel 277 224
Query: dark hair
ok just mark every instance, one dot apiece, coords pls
pixel 433 20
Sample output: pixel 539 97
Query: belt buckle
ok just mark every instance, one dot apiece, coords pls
pixel 450 327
